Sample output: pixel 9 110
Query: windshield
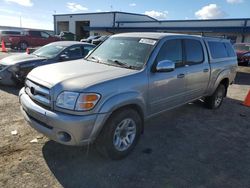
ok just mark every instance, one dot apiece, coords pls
pixel 127 52
pixel 242 47
pixel 49 51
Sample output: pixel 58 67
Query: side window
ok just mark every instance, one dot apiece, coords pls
pixel 74 52
pixel 217 49
pixel 44 35
pixel 35 33
pixel 171 50
pixel 230 50
pixel 193 52
pixel 86 50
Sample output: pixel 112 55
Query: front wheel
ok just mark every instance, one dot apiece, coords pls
pixel 120 134
pixel 214 101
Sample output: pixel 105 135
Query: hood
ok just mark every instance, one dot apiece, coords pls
pixel 20 58
pixel 76 74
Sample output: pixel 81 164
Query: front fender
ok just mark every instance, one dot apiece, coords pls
pixel 123 99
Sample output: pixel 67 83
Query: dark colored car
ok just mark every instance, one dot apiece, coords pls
pixel 32 38
pixel 90 39
pixel 100 40
pixel 14 69
pixel 243 53
pixel 65 35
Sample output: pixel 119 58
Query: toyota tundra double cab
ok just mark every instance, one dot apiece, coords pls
pixel 106 97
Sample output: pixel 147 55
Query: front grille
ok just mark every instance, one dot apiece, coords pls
pixel 38 93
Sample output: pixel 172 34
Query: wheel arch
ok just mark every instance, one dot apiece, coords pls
pixel 225 82
pixel 129 100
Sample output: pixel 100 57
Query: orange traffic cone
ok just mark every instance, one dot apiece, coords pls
pixel 27 50
pixel 247 100
pixel 3 47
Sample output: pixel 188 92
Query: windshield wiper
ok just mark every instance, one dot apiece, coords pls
pixel 122 64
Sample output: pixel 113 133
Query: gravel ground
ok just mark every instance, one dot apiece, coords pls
pixel 190 146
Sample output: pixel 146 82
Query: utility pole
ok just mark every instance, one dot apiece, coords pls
pixel 20 21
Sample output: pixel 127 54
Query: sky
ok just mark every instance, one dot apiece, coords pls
pixel 39 13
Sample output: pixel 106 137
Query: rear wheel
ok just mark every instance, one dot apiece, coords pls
pixel 120 134
pixel 214 101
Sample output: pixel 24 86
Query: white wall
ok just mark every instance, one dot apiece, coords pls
pixel 100 19
pixel 132 17
pixel 96 20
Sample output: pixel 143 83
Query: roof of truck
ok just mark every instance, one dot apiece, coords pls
pixel 158 36
pixel 152 35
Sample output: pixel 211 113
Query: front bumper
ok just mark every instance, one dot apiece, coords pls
pixel 80 130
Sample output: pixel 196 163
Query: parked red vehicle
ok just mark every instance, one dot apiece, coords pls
pixel 28 38
pixel 243 53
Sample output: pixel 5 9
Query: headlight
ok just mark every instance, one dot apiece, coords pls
pixel 67 100
pixel 77 101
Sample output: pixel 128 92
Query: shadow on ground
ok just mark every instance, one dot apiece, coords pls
pixel 187 147
pixel 11 89
pixel 242 78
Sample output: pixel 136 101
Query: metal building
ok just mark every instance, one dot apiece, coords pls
pixel 102 23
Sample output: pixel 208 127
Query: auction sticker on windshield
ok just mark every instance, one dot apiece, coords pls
pixel 148 41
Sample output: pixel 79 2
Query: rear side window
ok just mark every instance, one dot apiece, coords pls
pixel 217 49
pixel 194 52
pixel 74 52
pixel 230 50
pixel 11 32
pixel 171 50
pixel 86 50
pixel 35 33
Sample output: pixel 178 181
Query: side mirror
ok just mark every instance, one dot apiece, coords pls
pixel 165 66
pixel 64 57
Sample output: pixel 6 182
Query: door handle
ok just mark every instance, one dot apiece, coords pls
pixel 205 70
pixel 180 75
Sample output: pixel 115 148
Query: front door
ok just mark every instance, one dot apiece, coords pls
pixel 167 89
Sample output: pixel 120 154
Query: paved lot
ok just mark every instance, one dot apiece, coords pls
pixel 190 146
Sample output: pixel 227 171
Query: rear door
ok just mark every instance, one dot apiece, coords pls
pixel 198 68
pixel 167 89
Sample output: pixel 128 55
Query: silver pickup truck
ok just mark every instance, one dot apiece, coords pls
pixel 129 78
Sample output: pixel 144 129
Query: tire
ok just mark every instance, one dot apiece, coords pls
pixel 23 45
pixel 123 127
pixel 214 101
